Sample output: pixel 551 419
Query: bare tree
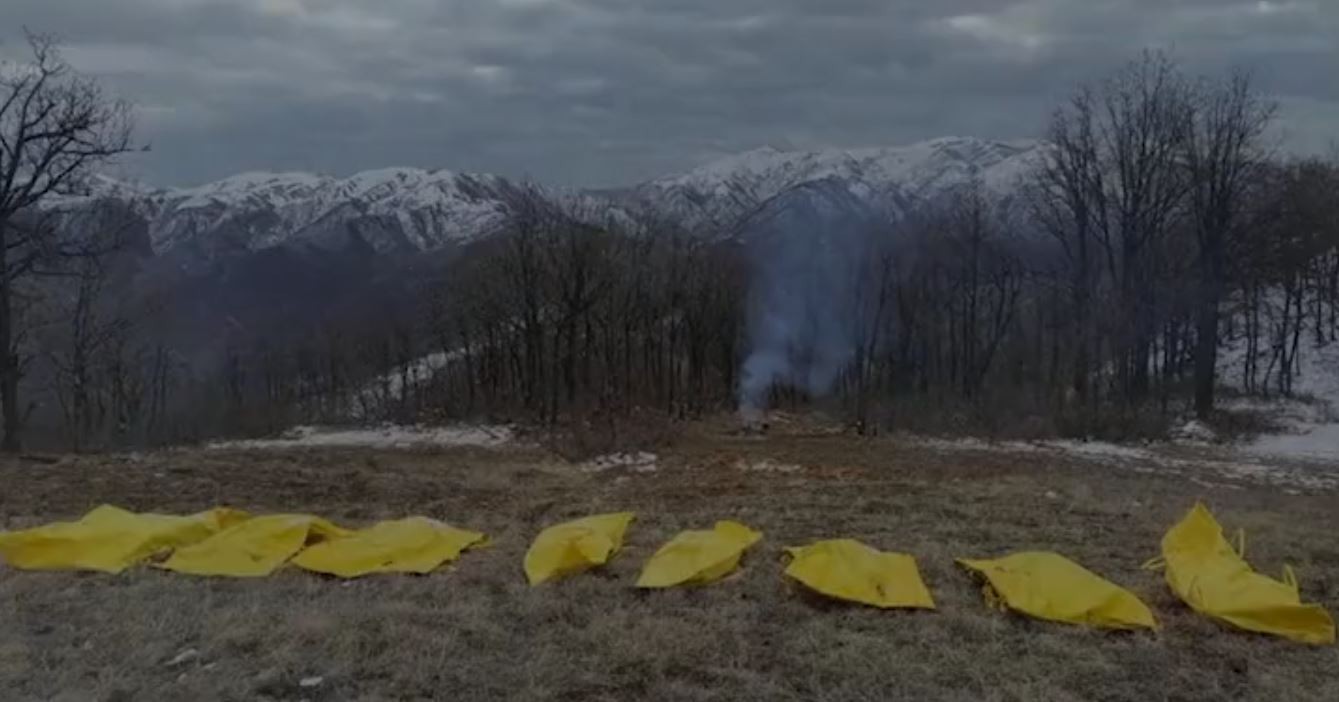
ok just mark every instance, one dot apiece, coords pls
pixel 1110 189
pixel 1278 257
pixel 1223 158
pixel 90 334
pixel 1143 115
pixel 55 128
pixel 1067 200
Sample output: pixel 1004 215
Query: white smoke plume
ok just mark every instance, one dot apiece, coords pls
pixel 799 317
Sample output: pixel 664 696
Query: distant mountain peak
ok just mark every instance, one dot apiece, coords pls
pixel 412 209
pixel 721 194
pixel 387 209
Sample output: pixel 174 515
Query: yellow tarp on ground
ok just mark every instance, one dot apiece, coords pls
pixel 698 557
pixel 413 545
pixel 1215 580
pixel 110 539
pixel 254 548
pixel 575 546
pixel 1049 586
pixel 849 570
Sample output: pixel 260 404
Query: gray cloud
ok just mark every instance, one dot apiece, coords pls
pixel 612 91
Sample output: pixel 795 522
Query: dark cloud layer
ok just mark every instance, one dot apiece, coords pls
pixel 612 91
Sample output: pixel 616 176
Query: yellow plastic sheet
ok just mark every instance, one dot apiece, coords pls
pixel 575 546
pixel 846 569
pixel 1215 580
pixel 1049 586
pixel 110 539
pixel 698 557
pixel 413 545
pixel 254 548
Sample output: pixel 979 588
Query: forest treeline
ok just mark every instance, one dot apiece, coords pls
pixel 1158 230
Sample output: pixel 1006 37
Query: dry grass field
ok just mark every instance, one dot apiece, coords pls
pixel 478 632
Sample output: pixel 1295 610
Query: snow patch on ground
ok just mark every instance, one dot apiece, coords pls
pixel 637 462
pixel 1210 468
pixel 1311 443
pixel 1087 449
pixel 767 465
pixel 1307 477
pixel 1195 431
pixel 1097 449
pixel 387 436
pixel 1311 425
pixel 974 444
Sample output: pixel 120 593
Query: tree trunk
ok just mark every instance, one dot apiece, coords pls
pixel 1206 350
pixel 9 361
pixel 1212 273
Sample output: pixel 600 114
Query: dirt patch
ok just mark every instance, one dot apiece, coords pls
pixel 477 632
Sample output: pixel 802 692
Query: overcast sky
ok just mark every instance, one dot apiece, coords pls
pixel 598 92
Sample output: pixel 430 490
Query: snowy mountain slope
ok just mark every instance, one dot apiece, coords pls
pixel 394 209
pixel 721 195
pixel 1311 416
pixel 409 210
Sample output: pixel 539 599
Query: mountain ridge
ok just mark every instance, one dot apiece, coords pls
pixel 402 209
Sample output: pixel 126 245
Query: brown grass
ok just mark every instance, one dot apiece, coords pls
pixel 477 632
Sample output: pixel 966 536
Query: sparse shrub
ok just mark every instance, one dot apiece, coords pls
pixel 1243 424
pixel 599 434
pixel 1137 423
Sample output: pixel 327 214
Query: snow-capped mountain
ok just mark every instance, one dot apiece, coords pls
pixel 261 256
pixel 393 209
pixel 409 210
pixel 721 195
